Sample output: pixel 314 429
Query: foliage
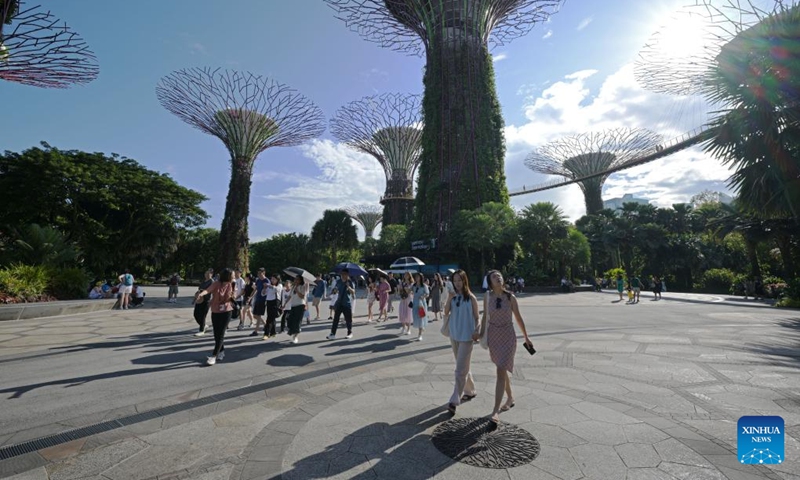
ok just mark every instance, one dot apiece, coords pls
pixel 28 282
pixel 539 226
pixel 394 239
pixel 334 233
pixel 196 252
pixel 286 250
pixel 613 272
pixel 573 251
pixel 36 245
pixel 716 280
pixel 68 283
pixel 485 230
pixel 117 212
pixel 13 10
pixel 459 103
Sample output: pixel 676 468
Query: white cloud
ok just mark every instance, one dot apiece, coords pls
pixel 499 57
pixel 569 106
pixel 584 23
pixel 346 177
pixel 547 35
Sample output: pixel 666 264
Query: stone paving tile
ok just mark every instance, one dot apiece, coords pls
pixel 638 455
pixel 558 462
pixel 673 451
pixel 598 432
pixel 35 474
pixel 599 462
pixel 96 461
pixel 687 471
pixel 559 415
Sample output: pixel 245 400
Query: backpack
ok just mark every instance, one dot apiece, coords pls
pixel 173 280
pixel 127 280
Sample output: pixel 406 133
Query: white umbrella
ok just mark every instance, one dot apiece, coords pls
pixel 296 271
pixel 407 262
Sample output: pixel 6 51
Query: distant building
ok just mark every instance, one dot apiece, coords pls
pixel 616 203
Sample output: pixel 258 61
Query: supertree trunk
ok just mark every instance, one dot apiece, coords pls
pixel 233 236
pixel 398 211
pixel 463 148
pixel 593 194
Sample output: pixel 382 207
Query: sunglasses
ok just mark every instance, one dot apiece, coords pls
pixel 458 301
pixel 498 303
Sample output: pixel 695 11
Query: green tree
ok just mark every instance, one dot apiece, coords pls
pixel 485 230
pixel 394 239
pixel 285 250
pixel 334 233
pixel 36 245
pixel 117 212
pixel 196 252
pixel 572 252
pixel 540 224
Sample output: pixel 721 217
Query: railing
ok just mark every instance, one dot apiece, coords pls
pixel 659 151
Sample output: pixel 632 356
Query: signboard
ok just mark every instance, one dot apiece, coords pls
pixel 423 244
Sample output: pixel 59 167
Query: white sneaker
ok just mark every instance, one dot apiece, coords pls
pixel 408 332
pixel 419 339
pixel 331 337
pixel 349 336
pixel 240 327
pixel 211 360
pixel 200 334
pixel 221 355
pixel 294 339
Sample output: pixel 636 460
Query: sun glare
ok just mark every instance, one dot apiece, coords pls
pixel 685 37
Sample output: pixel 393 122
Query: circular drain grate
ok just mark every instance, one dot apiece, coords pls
pixel 476 442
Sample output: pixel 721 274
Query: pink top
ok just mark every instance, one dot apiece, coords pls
pixel 220 300
pixel 383 289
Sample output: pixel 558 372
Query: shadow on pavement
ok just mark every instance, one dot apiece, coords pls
pixel 290 360
pixel 786 347
pixel 401 450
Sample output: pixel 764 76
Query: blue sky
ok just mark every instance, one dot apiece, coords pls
pixel 569 75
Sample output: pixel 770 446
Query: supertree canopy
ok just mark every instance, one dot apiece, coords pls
pixel 463 148
pixel 249 113
pixel 583 155
pixel 369 216
pixel 388 127
pixel 35 50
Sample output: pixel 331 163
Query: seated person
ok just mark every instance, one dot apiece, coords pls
pixel 97 292
pixel 137 296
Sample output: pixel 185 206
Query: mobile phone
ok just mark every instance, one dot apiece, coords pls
pixel 529 348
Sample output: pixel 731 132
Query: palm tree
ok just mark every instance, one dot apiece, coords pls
pixel 540 224
pixel 756 79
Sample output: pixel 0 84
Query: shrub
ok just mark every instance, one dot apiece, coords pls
pixel 612 274
pixel 715 280
pixel 69 283
pixel 25 282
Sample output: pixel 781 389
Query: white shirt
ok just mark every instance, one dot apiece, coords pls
pixel 238 288
pixel 449 286
pixel 334 297
pixel 274 292
pixel 299 294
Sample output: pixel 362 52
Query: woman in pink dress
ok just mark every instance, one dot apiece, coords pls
pixel 405 314
pixel 498 306
pixel 383 298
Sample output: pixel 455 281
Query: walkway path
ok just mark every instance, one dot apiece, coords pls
pixel 647 391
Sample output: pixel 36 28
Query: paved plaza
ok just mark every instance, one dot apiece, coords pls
pixel 637 392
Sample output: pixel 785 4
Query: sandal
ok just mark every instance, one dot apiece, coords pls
pixel 507 407
pixel 467 398
pixel 451 408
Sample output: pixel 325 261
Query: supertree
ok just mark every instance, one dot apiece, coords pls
pixel 369 216
pixel 249 113
pixel 744 61
pixel 35 50
pixel 389 128
pixel 463 147
pixel 586 154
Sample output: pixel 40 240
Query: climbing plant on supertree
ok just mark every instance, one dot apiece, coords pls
pixel 249 113
pixel 463 147
pixel 583 155
pixel 387 127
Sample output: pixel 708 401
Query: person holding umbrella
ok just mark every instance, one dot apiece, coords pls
pixel 343 304
pixel 297 306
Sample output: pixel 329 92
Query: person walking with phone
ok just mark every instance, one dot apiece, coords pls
pixel 497 326
pixel 296 306
pixel 343 305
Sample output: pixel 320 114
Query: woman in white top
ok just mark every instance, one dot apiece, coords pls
pixel 461 317
pixel 297 305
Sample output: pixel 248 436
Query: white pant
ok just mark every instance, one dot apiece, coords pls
pixel 464 384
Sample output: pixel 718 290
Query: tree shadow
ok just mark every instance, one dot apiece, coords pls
pixel 290 360
pixel 372 347
pixel 401 450
pixel 786 347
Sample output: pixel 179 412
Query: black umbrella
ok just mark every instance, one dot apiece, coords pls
pixel 299 272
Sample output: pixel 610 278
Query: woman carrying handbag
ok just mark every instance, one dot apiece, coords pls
pixel 462 326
